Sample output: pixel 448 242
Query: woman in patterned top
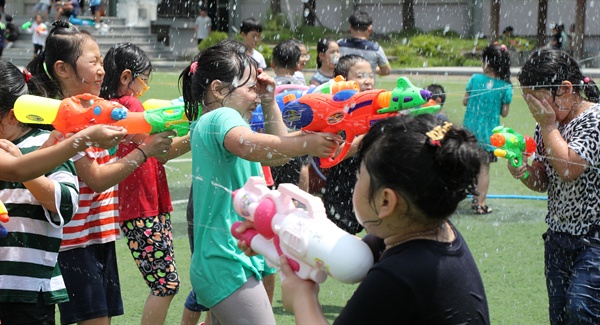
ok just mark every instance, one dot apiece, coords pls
pixel 564 104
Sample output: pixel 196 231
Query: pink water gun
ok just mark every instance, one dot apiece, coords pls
pixel 314 246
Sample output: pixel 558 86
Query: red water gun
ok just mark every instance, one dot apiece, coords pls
pixel 353 113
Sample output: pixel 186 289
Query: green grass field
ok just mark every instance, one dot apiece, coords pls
pixel 506 244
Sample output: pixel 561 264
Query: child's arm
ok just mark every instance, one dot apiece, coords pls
pixel 567 163
pixel 244 143
pixel 537 180
pixel 34 164
pixel 504 111
pixel 179 146
pixel 466 98
pixel 100 178
pixel 271 112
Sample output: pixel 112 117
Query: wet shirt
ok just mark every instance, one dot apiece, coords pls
pixel 420 282
pixel 574 206
pixel 220 267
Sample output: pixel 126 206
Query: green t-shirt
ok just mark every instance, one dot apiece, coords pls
pixel 219 267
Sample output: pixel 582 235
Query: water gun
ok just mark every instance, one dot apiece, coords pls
pixel 81 22
pixel 3 218
pixel 26 24
pixel 76 113
pixel 512 146
pixel 352 112
pixel 314 246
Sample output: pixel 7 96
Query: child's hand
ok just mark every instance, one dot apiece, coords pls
pixel 518 172
pixel 53 138
pixel 321 145
pixel 294 290
pixel 10 148
pixel 158 143
pixel 101 136
pixel 242 244
pixel 541 110
pixel 265 87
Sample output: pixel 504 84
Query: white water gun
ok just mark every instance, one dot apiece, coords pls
pixel 314 246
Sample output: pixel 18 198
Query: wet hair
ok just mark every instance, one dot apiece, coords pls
pixel 121 57
pixel 497 58
pixel 64 43
pixel 360 20
pixel 233 45
pixel 249 25
pixel 286 55
pixel 437 91
pixel 346 62
pixel 8 18
pixel 322 47
pixel 12 86
pixel 397 154
pixel 548 68
pixel 225 62
pixel 508 29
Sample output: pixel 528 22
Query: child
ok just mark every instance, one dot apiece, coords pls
pixel 439 95
pixel 564 104
pixel 202 25
pixel 328 54
pixel 39 32
pixel 145 221
pixel 66 8
pixel 251 30
pixel 71 64
pixel 414 172
pixel 304 57
pixel 286 56
pixel 40 192
pixel 341 177
pixel 225 152
pixel 12 32
pixel 487 98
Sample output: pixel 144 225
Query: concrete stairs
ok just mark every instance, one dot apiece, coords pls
pixel 161 55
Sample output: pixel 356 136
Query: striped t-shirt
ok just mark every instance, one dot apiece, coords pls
pixel 97 219
pixel 29 252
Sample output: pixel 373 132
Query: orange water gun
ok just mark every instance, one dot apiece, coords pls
pixel 3 218
pixel 76 113
pixel 353 113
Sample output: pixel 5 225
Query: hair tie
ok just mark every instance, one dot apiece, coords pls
pixel 586 80
pixel 26 75
pixel 46 70
pixel 193 67
pixel 437 134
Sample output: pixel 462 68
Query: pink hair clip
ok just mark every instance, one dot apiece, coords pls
pixel 586 80
pixel 502 47
pixel 193 67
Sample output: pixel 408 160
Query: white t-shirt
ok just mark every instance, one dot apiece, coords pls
pixel 259 58
pixel 203 25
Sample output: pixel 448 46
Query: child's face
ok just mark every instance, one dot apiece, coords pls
pixel 251 39
pixel 304 57
pixel 244 98
pixel 89 71
pixel 360 198
pixel 361 72
pixel 139 85
pixel 331 56
pixel 38 19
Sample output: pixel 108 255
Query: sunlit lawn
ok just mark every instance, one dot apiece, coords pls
pixel 506 244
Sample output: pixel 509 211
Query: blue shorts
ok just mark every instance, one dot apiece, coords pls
pixel 92 280
pixel 192 304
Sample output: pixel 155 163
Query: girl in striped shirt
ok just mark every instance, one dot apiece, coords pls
pixel 71 64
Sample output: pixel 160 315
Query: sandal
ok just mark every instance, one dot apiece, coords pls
pixel 482 209
pixel 474 204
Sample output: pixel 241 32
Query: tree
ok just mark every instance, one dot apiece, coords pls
pixel 408 14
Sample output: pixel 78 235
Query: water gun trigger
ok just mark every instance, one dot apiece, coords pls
pixel 331 161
